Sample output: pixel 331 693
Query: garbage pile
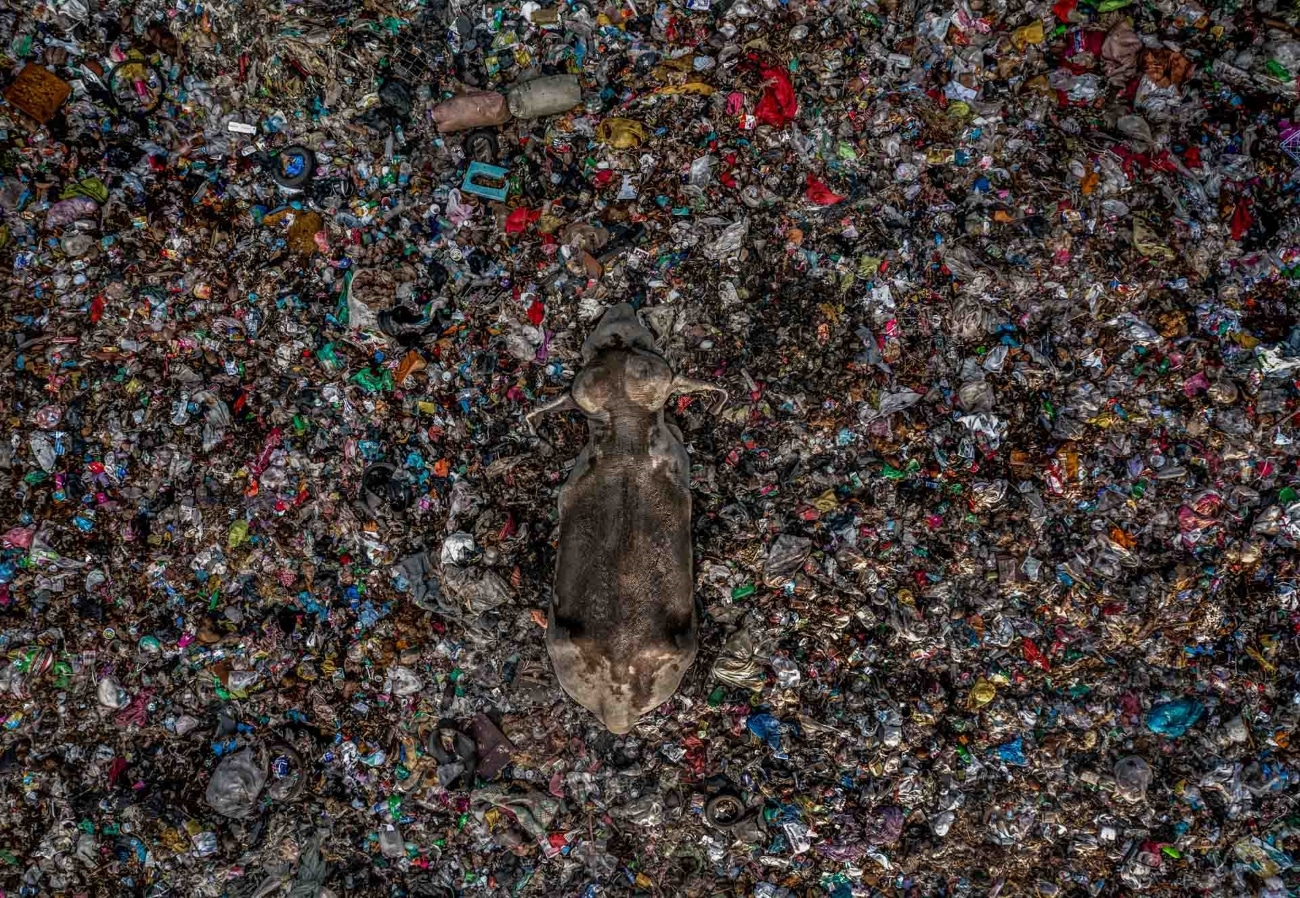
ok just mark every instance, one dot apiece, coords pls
pixel 995 542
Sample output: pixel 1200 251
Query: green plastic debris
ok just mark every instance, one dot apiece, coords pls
pixel 238 534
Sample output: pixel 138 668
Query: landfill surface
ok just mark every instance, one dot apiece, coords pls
pixel 995 540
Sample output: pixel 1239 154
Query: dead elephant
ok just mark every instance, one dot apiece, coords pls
pixel 622 625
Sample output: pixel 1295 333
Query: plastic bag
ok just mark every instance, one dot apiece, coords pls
pixel 767 728
pixel 1174 718
pixel 786 556
pixel 621 133
pixel 236 784
pixel 737 664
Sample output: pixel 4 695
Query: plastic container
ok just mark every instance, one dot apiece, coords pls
pixel 545 96
pixel 1132 778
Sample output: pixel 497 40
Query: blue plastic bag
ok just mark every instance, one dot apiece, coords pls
pixel 1175 718
pixel 1013 752
pixel 767 728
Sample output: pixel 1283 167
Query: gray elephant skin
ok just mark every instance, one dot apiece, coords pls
pixel 621 630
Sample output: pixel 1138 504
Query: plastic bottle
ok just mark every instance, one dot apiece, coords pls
pixel 391 844
pixel 1132 778
pixel 545 96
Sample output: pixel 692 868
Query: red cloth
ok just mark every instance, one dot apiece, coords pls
pixel 1241 220
pixel 819 193
pixel 777 106
pixel 518 220
pixel 1063 8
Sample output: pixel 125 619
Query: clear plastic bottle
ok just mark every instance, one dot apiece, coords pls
pixel 1132 778
pixel 391 844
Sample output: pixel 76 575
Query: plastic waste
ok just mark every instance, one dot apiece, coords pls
pixel 786 555
pixel 994 540
pixel 1132 778
pixel 548 95
pixel 236 784
pixel 1174 718
pixel 737 664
